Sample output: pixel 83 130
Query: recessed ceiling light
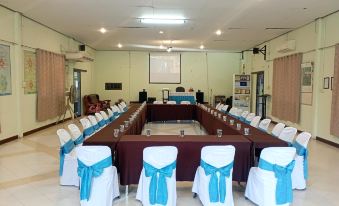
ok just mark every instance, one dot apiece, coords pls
pixel 103 30
pixel 119 45
pixel 202 47
pixel 161 32
pixel 218 32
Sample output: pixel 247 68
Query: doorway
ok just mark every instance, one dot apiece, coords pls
pixel 77 90
pixel 260 101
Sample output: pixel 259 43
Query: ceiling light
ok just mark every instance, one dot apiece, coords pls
pixel 161 32
pixel 202 47
pixel 103 30
pixel 169 49
pixel 218 32
pixel 119 45
pixel 156 20
pixel 162 47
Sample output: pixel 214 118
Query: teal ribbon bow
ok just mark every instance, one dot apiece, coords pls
pixel 102 123
pixel 88 131
pixel 87 173
pixel 217 192
pixel 65 149
pixel 283 192
pixel 302 151
pixel 158 193
pixel 79 140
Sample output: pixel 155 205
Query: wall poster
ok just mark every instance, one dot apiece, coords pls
pixel 5 70
pixel 29 72
pixel 306 83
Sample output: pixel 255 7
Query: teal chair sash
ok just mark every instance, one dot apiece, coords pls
pixel 79 140
pixel 302 151
pixel 87 173
pixel 102 123
pixel 283 192
pixel 89 131
pixel 217 192
pixel 158 193
pixel 65 149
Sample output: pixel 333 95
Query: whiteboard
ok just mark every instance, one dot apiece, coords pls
pixel 164 68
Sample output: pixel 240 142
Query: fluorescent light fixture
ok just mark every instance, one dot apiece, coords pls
pixel 103 30
pixel 159 20
pixel 120 45
pixel 161 32
pixel 218 32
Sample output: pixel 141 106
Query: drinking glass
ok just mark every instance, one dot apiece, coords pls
pixel 246 131
pixel 148 132
pixel 224 118
pixel 231 121
pixel 219 132
pixel 126 123
pixel 122 128
pixel 182 133
pixel 116 133
pixel 238 126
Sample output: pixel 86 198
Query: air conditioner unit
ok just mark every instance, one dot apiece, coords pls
pixel 287 47
pixel 80 56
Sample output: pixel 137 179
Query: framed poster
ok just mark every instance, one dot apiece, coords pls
pixel 5 71
pixel 326 83
pixel 307 77
pixel 29 72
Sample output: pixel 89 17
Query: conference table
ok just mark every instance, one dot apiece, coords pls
pixel 127 149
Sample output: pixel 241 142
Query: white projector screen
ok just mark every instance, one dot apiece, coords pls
pixel 164 68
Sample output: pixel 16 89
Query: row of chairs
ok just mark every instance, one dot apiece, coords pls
pixel 171 102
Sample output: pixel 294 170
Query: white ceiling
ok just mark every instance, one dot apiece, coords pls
pixel 243 22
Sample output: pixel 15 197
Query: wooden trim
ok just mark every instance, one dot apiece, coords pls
pixel 79 70
pixel 43 127
pixel 327 142
pixel 9 139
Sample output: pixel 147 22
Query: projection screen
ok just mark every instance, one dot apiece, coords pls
pixel 164 68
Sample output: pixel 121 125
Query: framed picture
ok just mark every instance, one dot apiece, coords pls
pixel 332 79
pixel 307 77
pixel 326 83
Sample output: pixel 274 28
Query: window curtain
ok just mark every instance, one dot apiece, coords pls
pixel 335 95
pixel 50 84
pixel 286 87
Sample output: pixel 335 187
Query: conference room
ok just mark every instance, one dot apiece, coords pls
pixel 159 102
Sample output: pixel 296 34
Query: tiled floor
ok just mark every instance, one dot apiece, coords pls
pixel 29 173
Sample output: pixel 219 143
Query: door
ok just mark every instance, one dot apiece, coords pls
pixel 77 88
pixel 260 101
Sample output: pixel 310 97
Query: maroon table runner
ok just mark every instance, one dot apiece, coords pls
pixel 163 112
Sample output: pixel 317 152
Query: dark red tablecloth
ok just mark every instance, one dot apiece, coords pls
pixel 163 112
pixel 130 150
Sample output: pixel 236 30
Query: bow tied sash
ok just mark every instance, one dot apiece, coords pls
pixel 79 140
pixel 302 151
pixel 65 149
pixel 217 191
pixel 283 193
pixel 89 131
pixel 158 193
pixel 102 123
pixel 87 173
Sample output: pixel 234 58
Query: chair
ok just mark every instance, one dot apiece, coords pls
pixel 100 120
pixel 268 179
pixel 105 117
pixel 92 104
pixel 68 160
pixel 159 169
pixel 224 108
pixel 122 107
pixel 94 122
pixel 243 116
pixel 158 102
pixel 171 102
pixel 219 107
pixel 110 115
pixel 180 89
pixel 77 135
pixel 216 106
pixel 249 118
pixel 116 111
pixel 99 179
pixel 300 171
pixel 215 170
pixel 255 121
pixel 287 134
pixel 233 111
pixel 277 129
pixel 264 124
pixel 238 113
pixel 88 129
pixel 185 102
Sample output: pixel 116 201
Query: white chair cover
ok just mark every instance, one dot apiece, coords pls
pixel 288 134
pixel 68 175
pixel 94 122
pixel 185 102
pixel 261 184
pixel 121 107
pixel 233 111
pixel 298 175
pixel 158 102
pixel 255 121
pixel 158 157
pixel 110 114
pixel 224 108
pixel 171 102
pixel 104 116
pixel 216 156
pixel 123 104
pixel 220 106
pixel 217 106
pixel 88 128
pixel 244 115
pixel 100 120
pixel 249 118
pixel 264 124
pixel 117 109
pixel 105 187
pixel 77 135
pixel 277 129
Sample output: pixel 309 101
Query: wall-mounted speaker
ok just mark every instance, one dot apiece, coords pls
pixel 255 50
